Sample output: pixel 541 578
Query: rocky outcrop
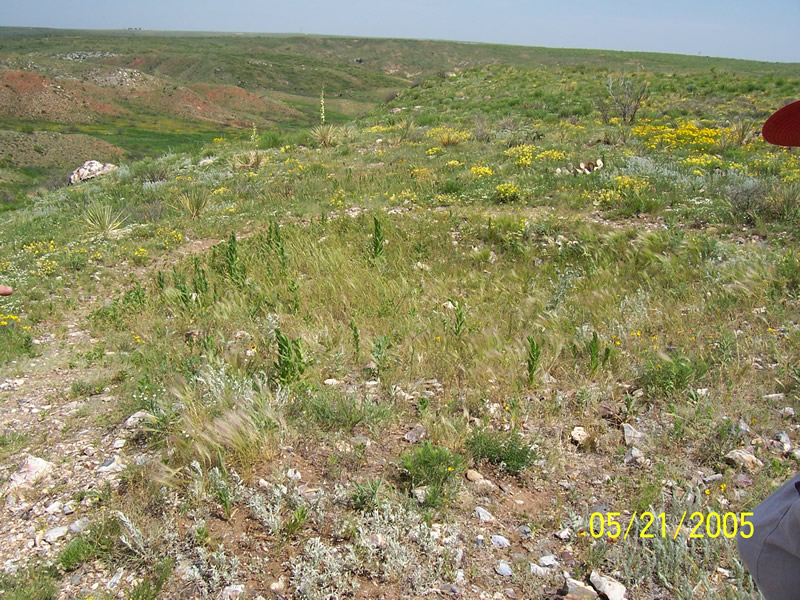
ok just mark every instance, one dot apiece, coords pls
pixel 89 170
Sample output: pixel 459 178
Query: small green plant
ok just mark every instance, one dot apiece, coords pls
pixel 366 496
pixel 460 321
pixel 667 375
pixel 380 352
pixel 295 522
pixel 597 357
pixel 193 201
pixel 436 468
pixel 356 337
pixel 101 220
pixel 534 353
pixel 234 267
pixel 290 363
pixel 326 135
pixel 506 450
pixel 378 239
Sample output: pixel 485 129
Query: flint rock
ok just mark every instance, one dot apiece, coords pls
pixel 632 436
pixel 745 459
pixel 577 590
pixel 31 471
pixel 610 588
pixel 90 170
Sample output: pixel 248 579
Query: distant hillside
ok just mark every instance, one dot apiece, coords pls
pixel 148 92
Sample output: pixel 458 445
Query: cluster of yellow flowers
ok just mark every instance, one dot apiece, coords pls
pixel 704 161
pixel 553 155
pixel 685 135
pixel 522 154
pixel 219 140
pixel 219 191
pixel 448 136
pixel 421 173
pixel 337 200
pixel 479 171
pixel 39 248
pixel 139 255
pixel 631 186
pixel 453 163
pixel 4 319
pixel 380 129
pixel 169 237
pixel 45 267
pixel 136 338
pixel 507 192
pixel 5 265
pixel 435 151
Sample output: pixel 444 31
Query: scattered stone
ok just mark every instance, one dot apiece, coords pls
pixel 80 525
pixel 510 593
pixel 31 471
pixel 416 434
pixel 137 418
pixel 111 465
pixel 119 444
pixel 113 583
pixel 773 397
pixel 524 532
pixel 54 534
pixel 500 541
pixel 744 428
pixel 712 478
pixel 577 590
pixel 484 515
pixel 634 456
pixel 232 592
pixel 54 508
pixel 564 534
pixel 745 459
pixel 632 436
pixel 294 475
pixel 783 439
pixel 89 170
pixel 421 494
pixel 480 541
pixel 331 381
pixel 795 454
pixel 787 412
pixel 539 571
pixel 742 480
pixel 473 475
pixel 549 561
pixel 450 590
pixel 610 588
pixel 69 508
pixel 565 484
pixel 579 435
pixel 503 568
pixel 377 539
pixel 278 586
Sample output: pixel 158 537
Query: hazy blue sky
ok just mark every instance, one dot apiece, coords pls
pixel 756 29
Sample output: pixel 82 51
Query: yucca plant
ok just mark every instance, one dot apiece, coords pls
pixel 193 201
pixel 327 135
pixel 101 220
pixel 247 161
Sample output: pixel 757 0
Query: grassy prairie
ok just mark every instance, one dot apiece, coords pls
pixel 298 302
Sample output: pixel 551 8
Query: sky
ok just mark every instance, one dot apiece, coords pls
pixel 752 29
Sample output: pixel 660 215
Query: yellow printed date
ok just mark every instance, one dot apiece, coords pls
pixel 698 524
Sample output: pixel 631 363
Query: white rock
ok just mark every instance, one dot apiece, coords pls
pixel 331 381
pixel 634 455
pixel 137 418
pixel 294 475
pixel 31 471
pixel 484 515
pixel 89 170
pixel 611 588
pixel 632 436
pixel 415 434
pixel 579 435
pixel 277 586
pixel 778 396
pixel 118 444
pixel 577 590
pixel 111 465
pixel 564 534
pixel 787 412
pixel 539 571
pixel 473 475
pixel 69 508
pixel 500 541
pixel 232 592
pixel 51 535
pixel 744 458
pixel 548 560
pixel 421 494
pixel 503 568
pixel 54 508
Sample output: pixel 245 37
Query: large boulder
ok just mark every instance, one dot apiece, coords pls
pixel 89 170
